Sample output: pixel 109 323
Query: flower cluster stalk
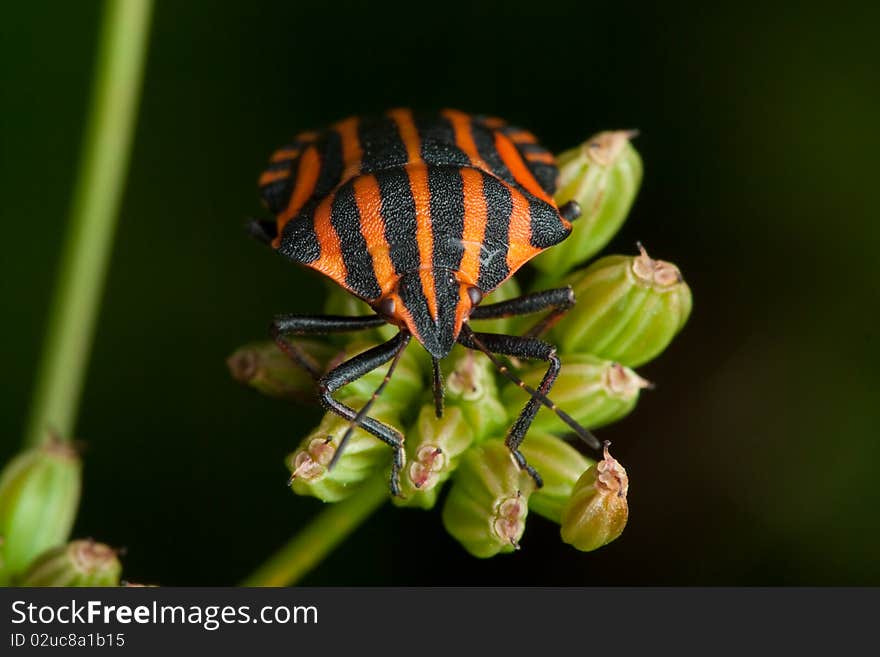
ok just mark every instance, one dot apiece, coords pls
pixel 40 487
pixel 93 216
pixel 327 530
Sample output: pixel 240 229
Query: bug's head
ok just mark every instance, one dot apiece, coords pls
pixel 432 305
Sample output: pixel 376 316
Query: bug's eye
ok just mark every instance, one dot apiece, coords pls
pixel 387 307
pixel 475 294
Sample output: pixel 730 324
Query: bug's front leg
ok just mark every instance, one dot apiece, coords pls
pixel 558 301
pixel 284 325
pixel 352 370
pixel 520 347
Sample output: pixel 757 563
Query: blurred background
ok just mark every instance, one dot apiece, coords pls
pixel 754 461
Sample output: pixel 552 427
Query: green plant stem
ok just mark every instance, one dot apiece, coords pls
pixel 329 528
pixel 98 190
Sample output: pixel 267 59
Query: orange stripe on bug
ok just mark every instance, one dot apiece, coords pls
pixel 464 307
pixel 284 154
pixel 543 157
pixel 351 147
pixel 307 179
pixel 520 248
pixel 514 162
pixel 330 262
pixel 494 122
pixel 521 137
pixel 369 202
pixel 409 133
pixel 475 217
pixel 464 139
pixel 418 182
pixel 268 177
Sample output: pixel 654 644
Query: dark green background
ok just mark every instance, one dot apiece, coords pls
pixel 753 462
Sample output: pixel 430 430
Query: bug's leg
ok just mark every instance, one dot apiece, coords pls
pixel 519 347
pixel 558 300
pixel 474 341
pixel 361 414
pixel 284 325
pixel 353 369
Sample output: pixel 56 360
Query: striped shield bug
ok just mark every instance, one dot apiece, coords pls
pixel 421 216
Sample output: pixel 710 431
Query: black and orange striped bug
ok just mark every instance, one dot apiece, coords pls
pixel 421 216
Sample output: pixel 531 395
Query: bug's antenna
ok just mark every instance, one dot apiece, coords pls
pixel 437 388
pixel 583 434
pixel 361 414
pixel 262 230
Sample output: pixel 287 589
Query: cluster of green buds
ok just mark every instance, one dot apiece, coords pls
pixel 628 310
pixel 39 496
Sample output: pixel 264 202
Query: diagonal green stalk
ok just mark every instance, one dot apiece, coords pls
pixel 329 528
pixel 105 156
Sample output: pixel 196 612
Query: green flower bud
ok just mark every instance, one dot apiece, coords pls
pixel 39 495
pixel 603 176
pixel 509 289
pixel 597 511
pixel 433 448
pixel 405 386
pixel 488 502
pixel 470 386
pixel 560 465
pixel 363 455
pixel 592 390
pixel 628 309
pixel 268 370
pixel 79 563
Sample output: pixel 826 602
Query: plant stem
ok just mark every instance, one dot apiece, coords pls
pixel 329 528
pixel 104 161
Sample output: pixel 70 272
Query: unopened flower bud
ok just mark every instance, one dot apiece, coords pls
pixel 603 176
pixel 433 448
pixel 592 390
pixel 597 511
pixel 265 368
pixel 488 502
pixel 39 495
pixel 628 309
pixel 470 386
pixel 364 454
pixel 560 466
pixel 79 563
